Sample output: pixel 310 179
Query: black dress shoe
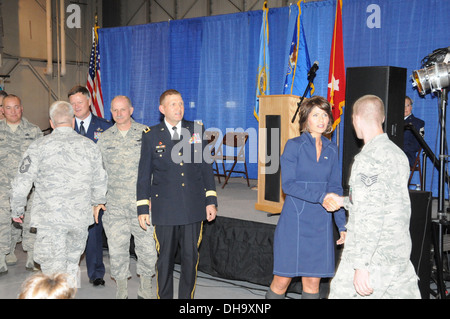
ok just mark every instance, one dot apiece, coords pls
pixel 98 282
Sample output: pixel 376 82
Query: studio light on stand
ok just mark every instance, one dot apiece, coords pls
pixel 434 78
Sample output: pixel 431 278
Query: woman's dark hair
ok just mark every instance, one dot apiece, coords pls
pixel 305 110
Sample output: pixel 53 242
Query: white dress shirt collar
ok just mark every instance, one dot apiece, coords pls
pixel 86 122
pixel 169 127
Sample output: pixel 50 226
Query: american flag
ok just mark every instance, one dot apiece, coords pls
pixel 94 82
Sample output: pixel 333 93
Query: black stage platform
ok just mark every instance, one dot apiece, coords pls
pixel 238 245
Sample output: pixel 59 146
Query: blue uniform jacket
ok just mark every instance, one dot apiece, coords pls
pixel 410 143
pixel 97 126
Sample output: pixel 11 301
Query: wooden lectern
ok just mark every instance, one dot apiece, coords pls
pixel 275 129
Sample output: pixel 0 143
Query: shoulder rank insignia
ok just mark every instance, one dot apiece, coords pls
pixel 199 122
pixel 147 129
pixel 26 163
pixel 369 180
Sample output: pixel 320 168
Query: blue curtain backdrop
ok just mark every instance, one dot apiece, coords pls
pixel 213 61
pixel 184 72
pixel 116 65
pixel 149 68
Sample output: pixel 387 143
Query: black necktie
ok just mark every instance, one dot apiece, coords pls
pixel 82 130
pixel 175 134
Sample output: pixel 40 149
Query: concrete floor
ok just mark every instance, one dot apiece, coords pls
pixel 236 200
pixel 208 287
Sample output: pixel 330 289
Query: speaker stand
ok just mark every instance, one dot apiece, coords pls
pixel 442 216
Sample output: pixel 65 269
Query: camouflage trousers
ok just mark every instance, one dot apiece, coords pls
pixel 58 249
pixel 25 234
pixel 119 224
pixel 5 230
pixel 388 282
pixel 10 233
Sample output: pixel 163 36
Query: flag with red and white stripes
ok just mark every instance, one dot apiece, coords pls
pixel 94 84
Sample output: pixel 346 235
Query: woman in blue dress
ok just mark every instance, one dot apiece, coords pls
pixel 303 243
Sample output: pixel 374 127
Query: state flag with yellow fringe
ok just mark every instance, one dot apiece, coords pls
pixel 263 79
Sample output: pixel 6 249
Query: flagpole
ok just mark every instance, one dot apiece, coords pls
pixel 338 129
pixel 333 50
pixel 263 74
pixel 93 79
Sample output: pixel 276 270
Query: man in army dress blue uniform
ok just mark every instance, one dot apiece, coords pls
pixel 177 186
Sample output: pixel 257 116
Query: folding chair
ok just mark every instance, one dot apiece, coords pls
pixel 236 140
pixel 211 137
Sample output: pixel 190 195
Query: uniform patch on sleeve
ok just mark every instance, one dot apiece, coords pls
pixel 26 163
pixel 369 180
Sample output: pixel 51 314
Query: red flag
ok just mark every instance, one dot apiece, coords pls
pixel 336 77
pixel 94 84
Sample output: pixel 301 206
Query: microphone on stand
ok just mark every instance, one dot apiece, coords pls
pixel 311 76
pixel 312 71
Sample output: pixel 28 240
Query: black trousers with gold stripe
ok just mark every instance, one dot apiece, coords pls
pixel 169 239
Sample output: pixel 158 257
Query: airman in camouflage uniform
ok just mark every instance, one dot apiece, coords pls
pixel 16 134
pixel 2 96
pixel 121 149
pixel 375 262
pixel 67 171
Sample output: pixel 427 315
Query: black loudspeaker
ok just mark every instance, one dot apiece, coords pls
pixel 111 10
pixel 389 84
pixel 420 230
